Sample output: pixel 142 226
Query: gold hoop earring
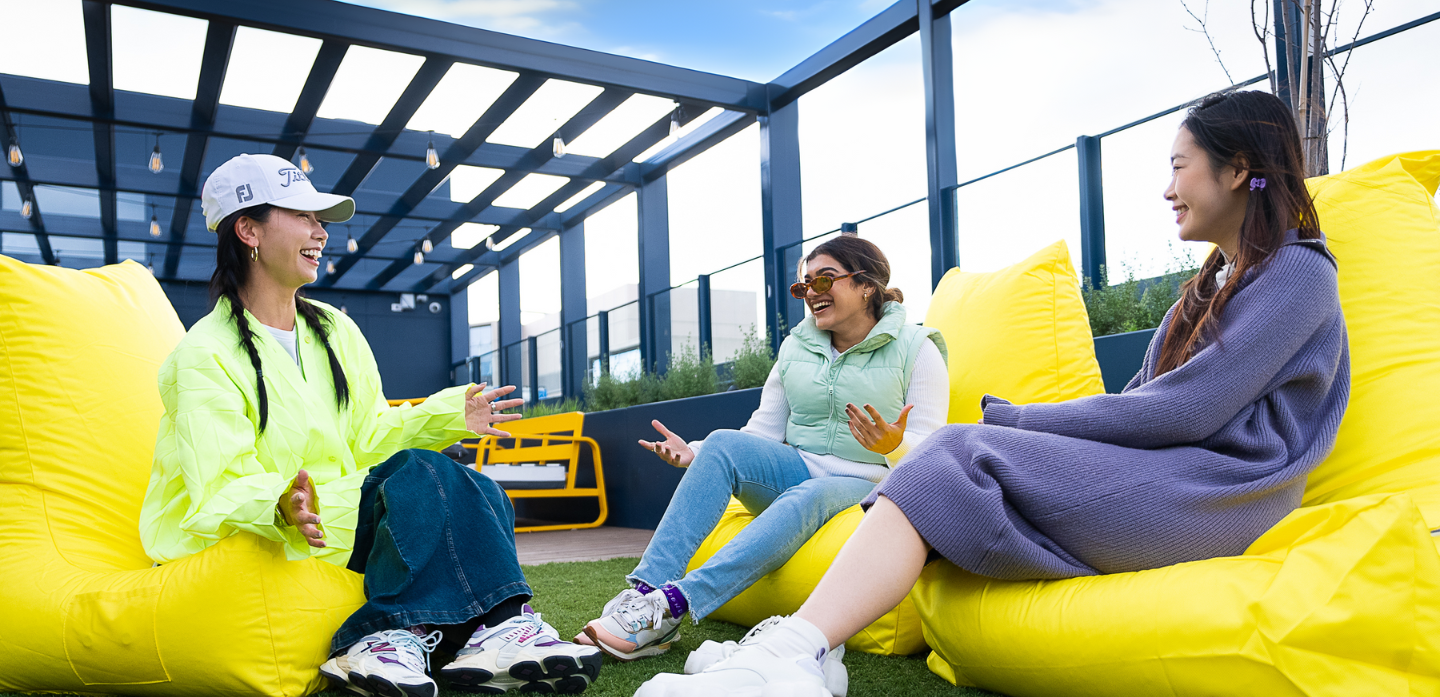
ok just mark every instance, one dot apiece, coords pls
pixel 255 253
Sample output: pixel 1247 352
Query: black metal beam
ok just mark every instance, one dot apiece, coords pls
pixel 877 34
pixel 322 73
pixel 941 178
pixel 102 105
pixel 712 133
pixel 597 109
pixel 509 100
pixel 21 176
pixel 620 159
pixel 219 39
pixel 365 26
pixel 385 134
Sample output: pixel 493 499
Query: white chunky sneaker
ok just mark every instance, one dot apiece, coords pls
pixel 837 678
pixel 625 596
pixel 337 671
pixel 523 653
pixel 393 663
pixel 638 627
pixel 751 671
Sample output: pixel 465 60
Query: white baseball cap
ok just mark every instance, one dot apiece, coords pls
pixel 250 180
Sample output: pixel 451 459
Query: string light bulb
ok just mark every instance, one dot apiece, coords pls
pixel 330 266
pixel 426 246
pixel 432 158
pixel 350 244
pixel 25 209
pixel 675 121
pixel 154 222
pixel 558 147
pixel 419 257
pixel 150 263
pixel 157 163
pixel 305 165
pixel 15 157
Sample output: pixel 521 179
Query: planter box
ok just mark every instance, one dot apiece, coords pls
pixel 639 485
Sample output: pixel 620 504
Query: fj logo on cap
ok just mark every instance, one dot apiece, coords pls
pixel 243 193
pixel 292 175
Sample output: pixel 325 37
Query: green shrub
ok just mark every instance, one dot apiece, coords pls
pixel 1133 305
pixel 752 363
pixel 610 392
pixel 546 409
pixel 689 374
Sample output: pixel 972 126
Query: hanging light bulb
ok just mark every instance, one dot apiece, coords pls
pixel 432 158
pixel 426 246
pixel 157 164
pixel 350 244
pixel 25 209
pixel 150 264
pixel 419 257
pixel 154 222
pixel 559 147
pixel 675 121
pixel 305 165
pixel 330 266
pixel 15 157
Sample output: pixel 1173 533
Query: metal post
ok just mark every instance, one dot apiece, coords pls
pixel 1288 30
pixel 573 308
pixel 604 318
pixel 510 328
pixel 781 215
pixel 1092 210
pixel 938 66
pixel 532 346
pixel 460 331
pixel 654 219
pixel 702 314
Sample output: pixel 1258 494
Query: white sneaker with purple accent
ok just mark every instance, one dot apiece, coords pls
pixel 837 678
pixel 523 653
pixel 393 663
pixel 337 671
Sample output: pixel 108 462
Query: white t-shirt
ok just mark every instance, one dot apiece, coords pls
pixel 286 339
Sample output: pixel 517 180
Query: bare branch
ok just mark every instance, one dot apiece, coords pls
pixel 1262 35
pixel 1206 31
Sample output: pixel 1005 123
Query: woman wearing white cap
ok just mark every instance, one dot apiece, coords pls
pixel 285 433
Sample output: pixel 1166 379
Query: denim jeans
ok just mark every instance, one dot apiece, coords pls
pixel 772 482
pixel 436 543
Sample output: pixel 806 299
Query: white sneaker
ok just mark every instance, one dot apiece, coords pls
pixel 337 671
pixel 393 663
pixel 837 678
pixel 637 627
pixel 522 653
pixel 625 596
pixel 750 672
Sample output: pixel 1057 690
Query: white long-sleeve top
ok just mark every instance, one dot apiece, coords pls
pixel 929 392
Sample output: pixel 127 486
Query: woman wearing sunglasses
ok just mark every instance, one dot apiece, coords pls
pixel 854 388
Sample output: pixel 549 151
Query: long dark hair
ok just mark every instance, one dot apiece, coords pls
pixel 860 255
pixel 1254 131
pixel 232 271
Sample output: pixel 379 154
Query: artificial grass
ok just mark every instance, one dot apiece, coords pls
pixel 569 594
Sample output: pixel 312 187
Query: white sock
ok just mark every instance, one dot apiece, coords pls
pixel 796 637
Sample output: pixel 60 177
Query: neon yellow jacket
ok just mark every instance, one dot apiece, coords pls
pixel 212 477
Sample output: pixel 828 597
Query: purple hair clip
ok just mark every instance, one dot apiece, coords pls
pixel 1257 183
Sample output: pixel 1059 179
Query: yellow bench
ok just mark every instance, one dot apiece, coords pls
pixel 538 442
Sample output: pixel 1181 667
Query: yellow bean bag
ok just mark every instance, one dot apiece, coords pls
pixel 84 611
pixel 1342 597
pixel 1021 332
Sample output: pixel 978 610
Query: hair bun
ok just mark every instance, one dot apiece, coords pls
pixel 894 294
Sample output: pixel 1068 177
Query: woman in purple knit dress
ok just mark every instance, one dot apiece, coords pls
pixel 1240 396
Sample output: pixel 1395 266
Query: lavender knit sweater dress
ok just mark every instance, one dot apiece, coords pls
pixel 1193 464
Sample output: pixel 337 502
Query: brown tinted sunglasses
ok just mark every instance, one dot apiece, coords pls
pixel 821 284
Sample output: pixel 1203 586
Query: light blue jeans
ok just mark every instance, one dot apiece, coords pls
pixel 771 480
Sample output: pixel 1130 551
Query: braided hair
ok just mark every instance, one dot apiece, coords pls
pixel 232 272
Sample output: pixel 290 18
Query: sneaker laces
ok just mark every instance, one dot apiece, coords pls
pixel 412 649
pixel 635 613
pixel 532 619
pixel 625 596
pixel 759 629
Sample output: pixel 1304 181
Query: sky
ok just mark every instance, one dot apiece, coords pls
pixel 1030 77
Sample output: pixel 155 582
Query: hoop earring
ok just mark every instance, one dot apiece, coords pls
pixel 255 253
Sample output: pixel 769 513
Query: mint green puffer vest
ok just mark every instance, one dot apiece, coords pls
pixel 875 371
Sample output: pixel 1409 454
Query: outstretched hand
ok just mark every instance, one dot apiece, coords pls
pixel 673 449
pixel 298 507
pixel 482 409
pixel 875 433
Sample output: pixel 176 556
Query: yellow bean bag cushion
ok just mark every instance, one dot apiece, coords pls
pixel 1342 597
pixel 1020 332
pixel 84 611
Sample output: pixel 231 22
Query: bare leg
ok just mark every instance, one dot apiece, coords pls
pixel 874 571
